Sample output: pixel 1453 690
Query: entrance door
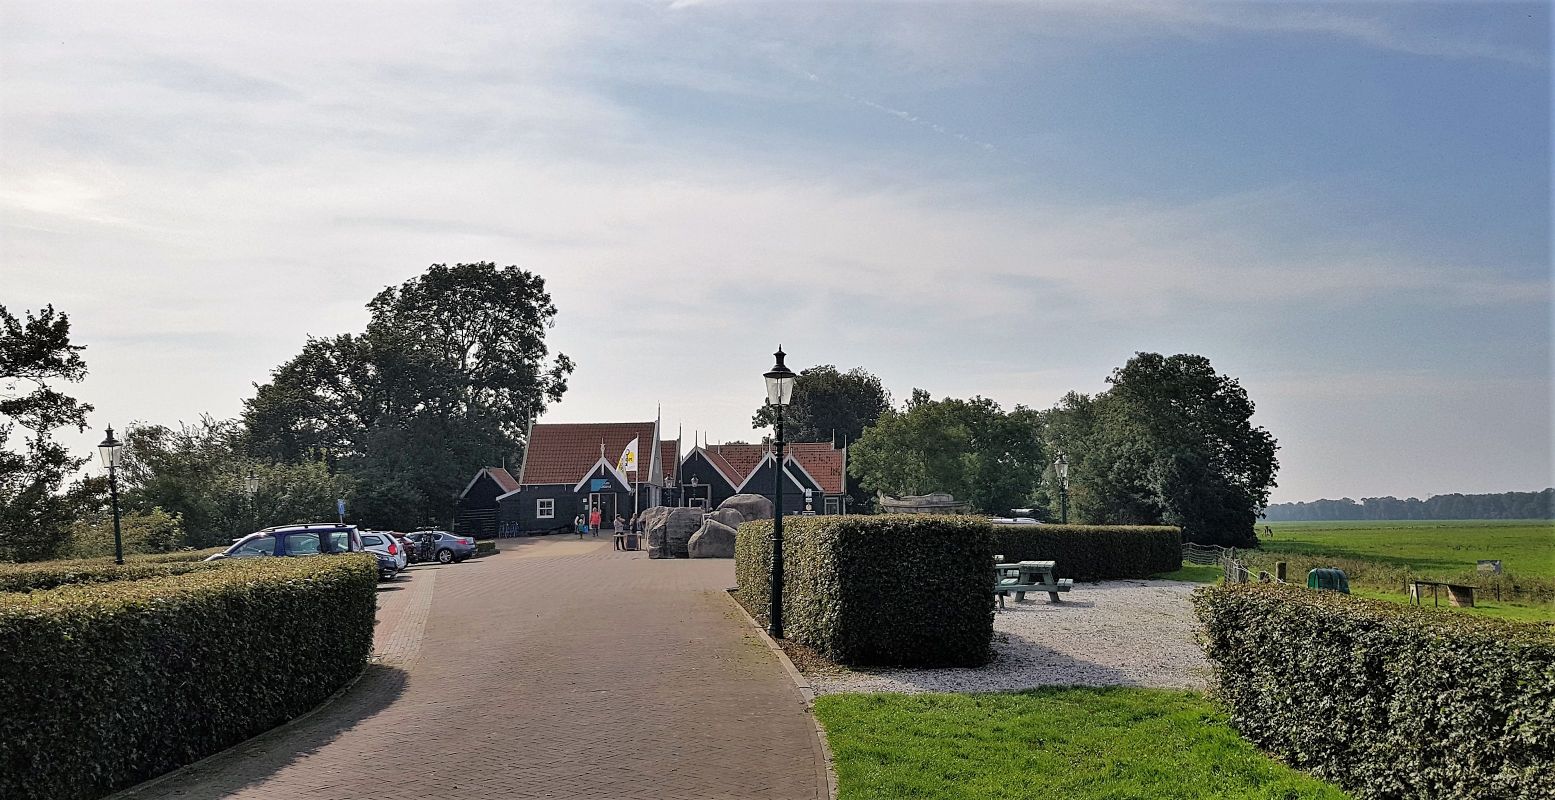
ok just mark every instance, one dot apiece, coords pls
pixel 606 503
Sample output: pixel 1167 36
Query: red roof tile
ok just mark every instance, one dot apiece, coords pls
pixel 822 461
pixel 503 478
pixel 669 458
pixel 565 452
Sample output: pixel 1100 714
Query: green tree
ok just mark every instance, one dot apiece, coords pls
pixel 829 405
pixel 198 473
pixel 452 369
pixel 1172 441
pixel 969 448
pixel 35 515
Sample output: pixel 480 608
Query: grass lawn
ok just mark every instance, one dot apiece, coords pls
pixel 1049 744
pixel 1193 573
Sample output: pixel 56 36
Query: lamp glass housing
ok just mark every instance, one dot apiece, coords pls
pixel 780 382
pixel 1063 467
pixel 110 450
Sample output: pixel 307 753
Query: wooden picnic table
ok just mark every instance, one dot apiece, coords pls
pixel 1028 576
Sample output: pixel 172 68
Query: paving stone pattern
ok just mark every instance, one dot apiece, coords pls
pixel 558 669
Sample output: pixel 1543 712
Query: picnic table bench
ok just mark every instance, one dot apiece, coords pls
pixel 1027 576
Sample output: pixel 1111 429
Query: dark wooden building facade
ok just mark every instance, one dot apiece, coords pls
pixel 814 476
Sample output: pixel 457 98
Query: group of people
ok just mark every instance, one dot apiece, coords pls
pixel 593 521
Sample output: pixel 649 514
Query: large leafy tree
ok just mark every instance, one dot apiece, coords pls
pixel 36 353
pixel 829 405
pixel 969 448
pixel 447 377
pixel 1172 441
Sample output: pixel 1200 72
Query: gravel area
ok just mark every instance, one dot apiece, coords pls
pixel 1129 633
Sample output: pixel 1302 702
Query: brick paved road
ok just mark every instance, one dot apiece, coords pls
pixel 556 668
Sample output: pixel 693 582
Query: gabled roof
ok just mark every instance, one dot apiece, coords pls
pixel 738 462
pixel 566 452
pixel 821 461
pixel 498 474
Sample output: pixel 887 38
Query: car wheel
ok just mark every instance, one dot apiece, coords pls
pixel 445 556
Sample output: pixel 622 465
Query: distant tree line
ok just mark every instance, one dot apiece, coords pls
pixel 1506 505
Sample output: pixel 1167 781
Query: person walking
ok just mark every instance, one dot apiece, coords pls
pixel 618 532
pixel 594 520
pixel 579 525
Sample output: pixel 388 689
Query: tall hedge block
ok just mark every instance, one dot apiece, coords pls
pixel 878 590
pixel 1093 552
pixel 108 684
pixel 1386 700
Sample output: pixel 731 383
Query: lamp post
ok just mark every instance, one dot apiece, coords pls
pixel 251 488
pixel 1062 468
pixel 780 388
pixel 110 450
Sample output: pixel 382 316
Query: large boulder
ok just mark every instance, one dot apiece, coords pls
pixel 648 516
pixel 713 540
pixel 669 533
pixel 751 506
pixel 728 516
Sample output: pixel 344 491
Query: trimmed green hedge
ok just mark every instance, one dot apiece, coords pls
pixel 1384 699
pixel 485 547
pixel 893 589
pixel 1093 552
pixel 109 684
pixel 40 575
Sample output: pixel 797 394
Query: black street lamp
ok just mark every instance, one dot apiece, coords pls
pixel 1061 466
pixel 251 488
pixel 780 388
pixel 110 450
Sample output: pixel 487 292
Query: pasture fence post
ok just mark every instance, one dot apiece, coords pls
pixel 1279 571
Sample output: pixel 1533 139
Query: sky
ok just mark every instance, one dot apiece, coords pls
pixel 1344 206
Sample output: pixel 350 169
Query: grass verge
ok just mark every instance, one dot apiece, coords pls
pixel 1193 573
pixel 1073 743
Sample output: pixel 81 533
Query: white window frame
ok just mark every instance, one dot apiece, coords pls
pixel 833 505
pixel 545 508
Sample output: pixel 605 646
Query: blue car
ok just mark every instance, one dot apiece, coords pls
pixel 305 540
pixel 442 546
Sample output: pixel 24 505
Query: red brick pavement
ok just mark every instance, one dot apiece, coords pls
pixel 557 669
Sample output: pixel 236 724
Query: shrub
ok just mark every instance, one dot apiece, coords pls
pixel 154 531
pixel 894 589
pixel 485 547
pixel 37 575
pixel 1383 699
pixel 1093 552
pixel 109 684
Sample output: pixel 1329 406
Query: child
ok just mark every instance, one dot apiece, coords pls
pixel 580 526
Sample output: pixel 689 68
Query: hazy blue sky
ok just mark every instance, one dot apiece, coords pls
pixel 1345 206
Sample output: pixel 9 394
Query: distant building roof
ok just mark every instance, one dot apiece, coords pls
pixel 820 460
pixel 501 476
pixel 563 452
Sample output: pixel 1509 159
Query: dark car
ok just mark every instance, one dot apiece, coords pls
pixel 303 540
pixel 443 547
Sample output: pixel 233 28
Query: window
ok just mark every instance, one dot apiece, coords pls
pixel 302 544
pixel 340 542
pixel 545 509
pixel 831 505
pixel 370 540
pixel 257 546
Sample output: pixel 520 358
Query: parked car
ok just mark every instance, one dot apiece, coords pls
pixel 313 539
pixel 384 542
pixel 445 548
pixel 408 546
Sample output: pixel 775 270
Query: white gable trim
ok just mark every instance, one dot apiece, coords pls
pixel 615 473
pixel 759 464
pixel 475 480
pixel 813 482
pixel 502 497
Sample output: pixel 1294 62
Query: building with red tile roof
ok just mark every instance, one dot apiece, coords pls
pixel 814 480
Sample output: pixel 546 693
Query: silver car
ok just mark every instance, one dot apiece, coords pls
pixel 385 543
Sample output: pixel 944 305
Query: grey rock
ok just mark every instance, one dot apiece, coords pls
pixel 713 540
pixel 728 516
pixel 751 506
pixel 669 533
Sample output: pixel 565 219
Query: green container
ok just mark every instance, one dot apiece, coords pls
pixel 1328 578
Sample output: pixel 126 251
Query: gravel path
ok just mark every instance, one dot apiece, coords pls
pixel 1130 633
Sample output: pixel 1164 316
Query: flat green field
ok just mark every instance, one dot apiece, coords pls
pixel 1430 547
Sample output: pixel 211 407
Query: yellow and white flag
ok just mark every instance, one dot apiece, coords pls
pixel 628 462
